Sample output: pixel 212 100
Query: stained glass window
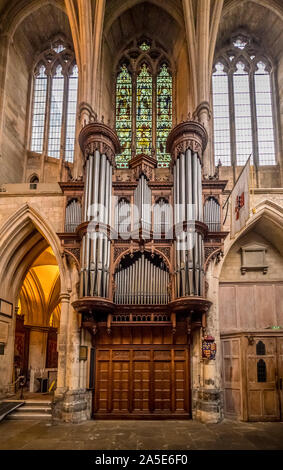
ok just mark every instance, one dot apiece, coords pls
pixel 124 116
pixel 164 114
pixel 39 107
pixel 145 46
pixel 144 111
pixel 144 103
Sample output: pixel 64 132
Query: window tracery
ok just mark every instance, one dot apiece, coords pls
pixel 54 103
pixel 244 114
pixel 144 102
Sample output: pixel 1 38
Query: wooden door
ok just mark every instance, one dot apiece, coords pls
pixel 262 380
pixel 151 381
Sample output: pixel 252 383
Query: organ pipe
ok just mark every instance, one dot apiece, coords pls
pixel 142 199
pixel 188 198
pixel 96 246
pixel 143 283
pixel 212 215
pixel 73 216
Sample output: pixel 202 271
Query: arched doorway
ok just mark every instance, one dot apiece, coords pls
pixel 37 323
pixel 32 277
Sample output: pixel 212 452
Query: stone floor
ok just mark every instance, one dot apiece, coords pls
pixel 140 435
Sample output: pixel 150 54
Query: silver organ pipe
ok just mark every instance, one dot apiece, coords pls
pixel 122 216
pixel 142 201
pixel 161 217
pixel 142 281
pixel 212 214
pixel 189 248
pixel 96 245
pixel 73 216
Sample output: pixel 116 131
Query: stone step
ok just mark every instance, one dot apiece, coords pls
pixel 21 415
pixel 35 409
pixel 37 403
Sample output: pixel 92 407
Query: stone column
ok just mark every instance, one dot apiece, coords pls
pixel 210 403
pixel 5 41
pixel 203 114
pixel 62 343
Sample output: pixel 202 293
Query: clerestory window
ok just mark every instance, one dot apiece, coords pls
pixel 54 102
pixel 243 104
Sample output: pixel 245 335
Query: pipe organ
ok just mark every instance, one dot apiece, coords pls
pixel 99 144
pixel 142 202
pixel 142 280
pixel 186 143
pixel 212 214
pixel 189 249
pixel 142 296
pixel 162 217
pixel 73 216
pixel 123 216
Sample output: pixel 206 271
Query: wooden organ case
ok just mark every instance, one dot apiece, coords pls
pixel 142 281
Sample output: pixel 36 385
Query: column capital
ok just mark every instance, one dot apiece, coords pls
pixel 99 136
pixel 65 297
pixel 187 135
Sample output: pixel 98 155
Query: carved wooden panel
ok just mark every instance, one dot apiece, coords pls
pixel 141 377
pixel 263 399
pixel 250 306
pixel 232 377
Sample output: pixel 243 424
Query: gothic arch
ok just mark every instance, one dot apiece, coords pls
pixel 269 4
pixel 121 7
pixel 265 210
pixel 155 251
pixel 21 10
pixel 23 237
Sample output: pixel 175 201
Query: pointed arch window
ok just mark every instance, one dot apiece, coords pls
pixel 39 108
pixel 164 112
pixel 124 114
pixel 243 110
pixel 144 110
pixel 54 104
pixel 144 103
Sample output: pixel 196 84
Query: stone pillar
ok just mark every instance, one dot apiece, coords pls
pixel 210 393
pixel 37 347
pixel 62 343
pixel 203 114
pixel 71 403
pixel 5 41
